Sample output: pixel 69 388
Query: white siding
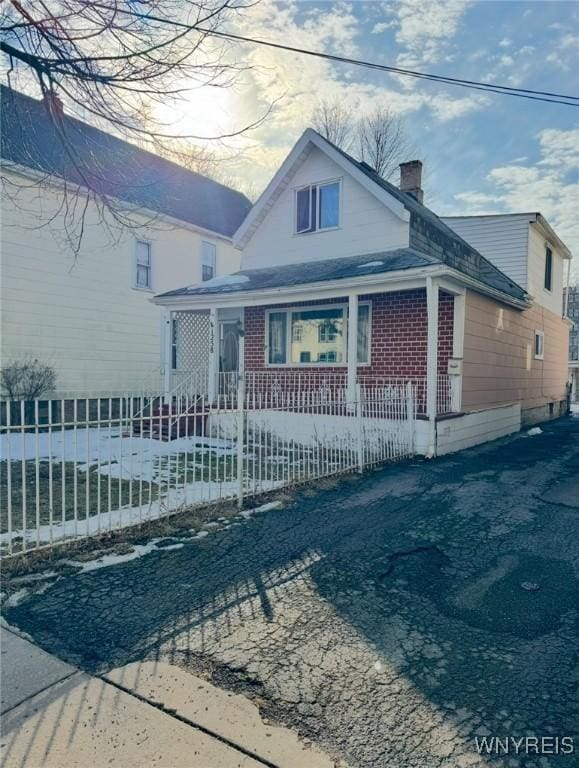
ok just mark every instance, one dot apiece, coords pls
pixel 551 300
pixel 366 225
pixel 501 239
pixel 474 428
pixel 83 316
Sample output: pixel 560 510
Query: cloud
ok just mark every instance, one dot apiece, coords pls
pixel 425 28
pixel 446 108
pixel 506 42
pixel 382 26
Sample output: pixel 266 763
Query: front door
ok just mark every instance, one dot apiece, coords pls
pixel 228 356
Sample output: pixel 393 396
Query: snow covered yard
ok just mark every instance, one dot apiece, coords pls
pixel 80 482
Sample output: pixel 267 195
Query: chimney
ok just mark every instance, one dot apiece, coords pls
pixel 411 179
pixel 54 105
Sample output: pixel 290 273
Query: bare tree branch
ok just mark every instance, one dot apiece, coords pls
pixel 378 138
pixel 120 64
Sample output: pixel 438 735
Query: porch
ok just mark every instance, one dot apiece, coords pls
pixel 375 340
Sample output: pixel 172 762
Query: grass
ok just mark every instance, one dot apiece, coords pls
pixel 63 505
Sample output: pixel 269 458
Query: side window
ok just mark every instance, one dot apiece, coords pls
pixel 208 259
pixel 539 344
pixel 143 265
pixel 548 269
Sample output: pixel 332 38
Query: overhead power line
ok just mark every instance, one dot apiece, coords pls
pixel 481 86
pixel 505 90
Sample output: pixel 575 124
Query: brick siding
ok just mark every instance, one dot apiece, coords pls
pixel 399 334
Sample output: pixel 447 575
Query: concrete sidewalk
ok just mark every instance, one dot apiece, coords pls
pixel 54 716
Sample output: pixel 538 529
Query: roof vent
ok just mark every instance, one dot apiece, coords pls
pixel 411 179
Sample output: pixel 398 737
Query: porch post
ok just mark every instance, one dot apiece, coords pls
pixel 352 346
pixel 457 351
pixel 432 362
pixel 213 355
pixel 167 352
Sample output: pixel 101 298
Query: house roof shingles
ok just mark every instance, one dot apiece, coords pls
pixel 114 168
pixel 311 272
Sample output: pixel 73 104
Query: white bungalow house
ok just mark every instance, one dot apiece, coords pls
pixel 345 275
pixel 88 314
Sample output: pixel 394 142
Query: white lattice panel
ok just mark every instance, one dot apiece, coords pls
pixel 193 338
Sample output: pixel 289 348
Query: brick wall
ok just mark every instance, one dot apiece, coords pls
pixel 399 334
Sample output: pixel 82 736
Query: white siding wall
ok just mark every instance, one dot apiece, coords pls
pixel 501 239
pixel 476 428
pixel 366 225
pixel 83 316
pixel 551 300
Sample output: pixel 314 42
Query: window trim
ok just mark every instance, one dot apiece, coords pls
pixel 548 250
pixel 539 334
pixel 202 262
pixel 136 286
pixel 308 308
pixel 318 185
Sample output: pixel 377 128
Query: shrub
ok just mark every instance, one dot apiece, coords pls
pixel 27 379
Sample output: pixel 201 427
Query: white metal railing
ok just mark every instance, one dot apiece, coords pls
pixel 76 468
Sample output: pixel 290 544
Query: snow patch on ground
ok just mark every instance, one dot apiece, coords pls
pixel 247 513
pixel 16 598
pixel 139 550
pixel 535 431
pixel 114 454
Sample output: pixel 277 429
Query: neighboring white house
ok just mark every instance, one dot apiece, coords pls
pixel 89 315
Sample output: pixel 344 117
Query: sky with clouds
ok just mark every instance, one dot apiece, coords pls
pixel 483 152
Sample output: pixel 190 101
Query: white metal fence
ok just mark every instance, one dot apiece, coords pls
pixel 77 468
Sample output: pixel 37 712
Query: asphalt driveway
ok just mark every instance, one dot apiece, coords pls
pixel 391 618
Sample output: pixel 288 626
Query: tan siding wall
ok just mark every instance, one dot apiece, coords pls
pixel 499 362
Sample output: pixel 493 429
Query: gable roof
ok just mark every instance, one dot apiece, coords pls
pixel 113 167
pixel 428 233
pixel 296 157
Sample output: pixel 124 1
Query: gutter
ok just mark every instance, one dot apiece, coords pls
pixel 366 284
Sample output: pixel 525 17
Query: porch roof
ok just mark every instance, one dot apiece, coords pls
pixel 248 280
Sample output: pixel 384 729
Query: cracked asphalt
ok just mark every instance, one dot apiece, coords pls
pixel 390 617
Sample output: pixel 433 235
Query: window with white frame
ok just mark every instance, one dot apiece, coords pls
pixel 315 335
pixel 143 265
pixel 539 344
pixel 317 207
pixel 208 258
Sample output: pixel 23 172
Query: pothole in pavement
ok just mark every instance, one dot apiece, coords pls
pixel 522 595
pixel 420 569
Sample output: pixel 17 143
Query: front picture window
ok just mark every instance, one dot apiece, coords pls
pixel 321 336
pixel 315 335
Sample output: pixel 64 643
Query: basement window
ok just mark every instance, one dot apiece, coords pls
pixel 539 344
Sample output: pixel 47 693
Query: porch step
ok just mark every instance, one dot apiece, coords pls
pixel 170 422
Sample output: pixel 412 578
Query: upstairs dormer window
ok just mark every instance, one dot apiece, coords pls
pixel 318 207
